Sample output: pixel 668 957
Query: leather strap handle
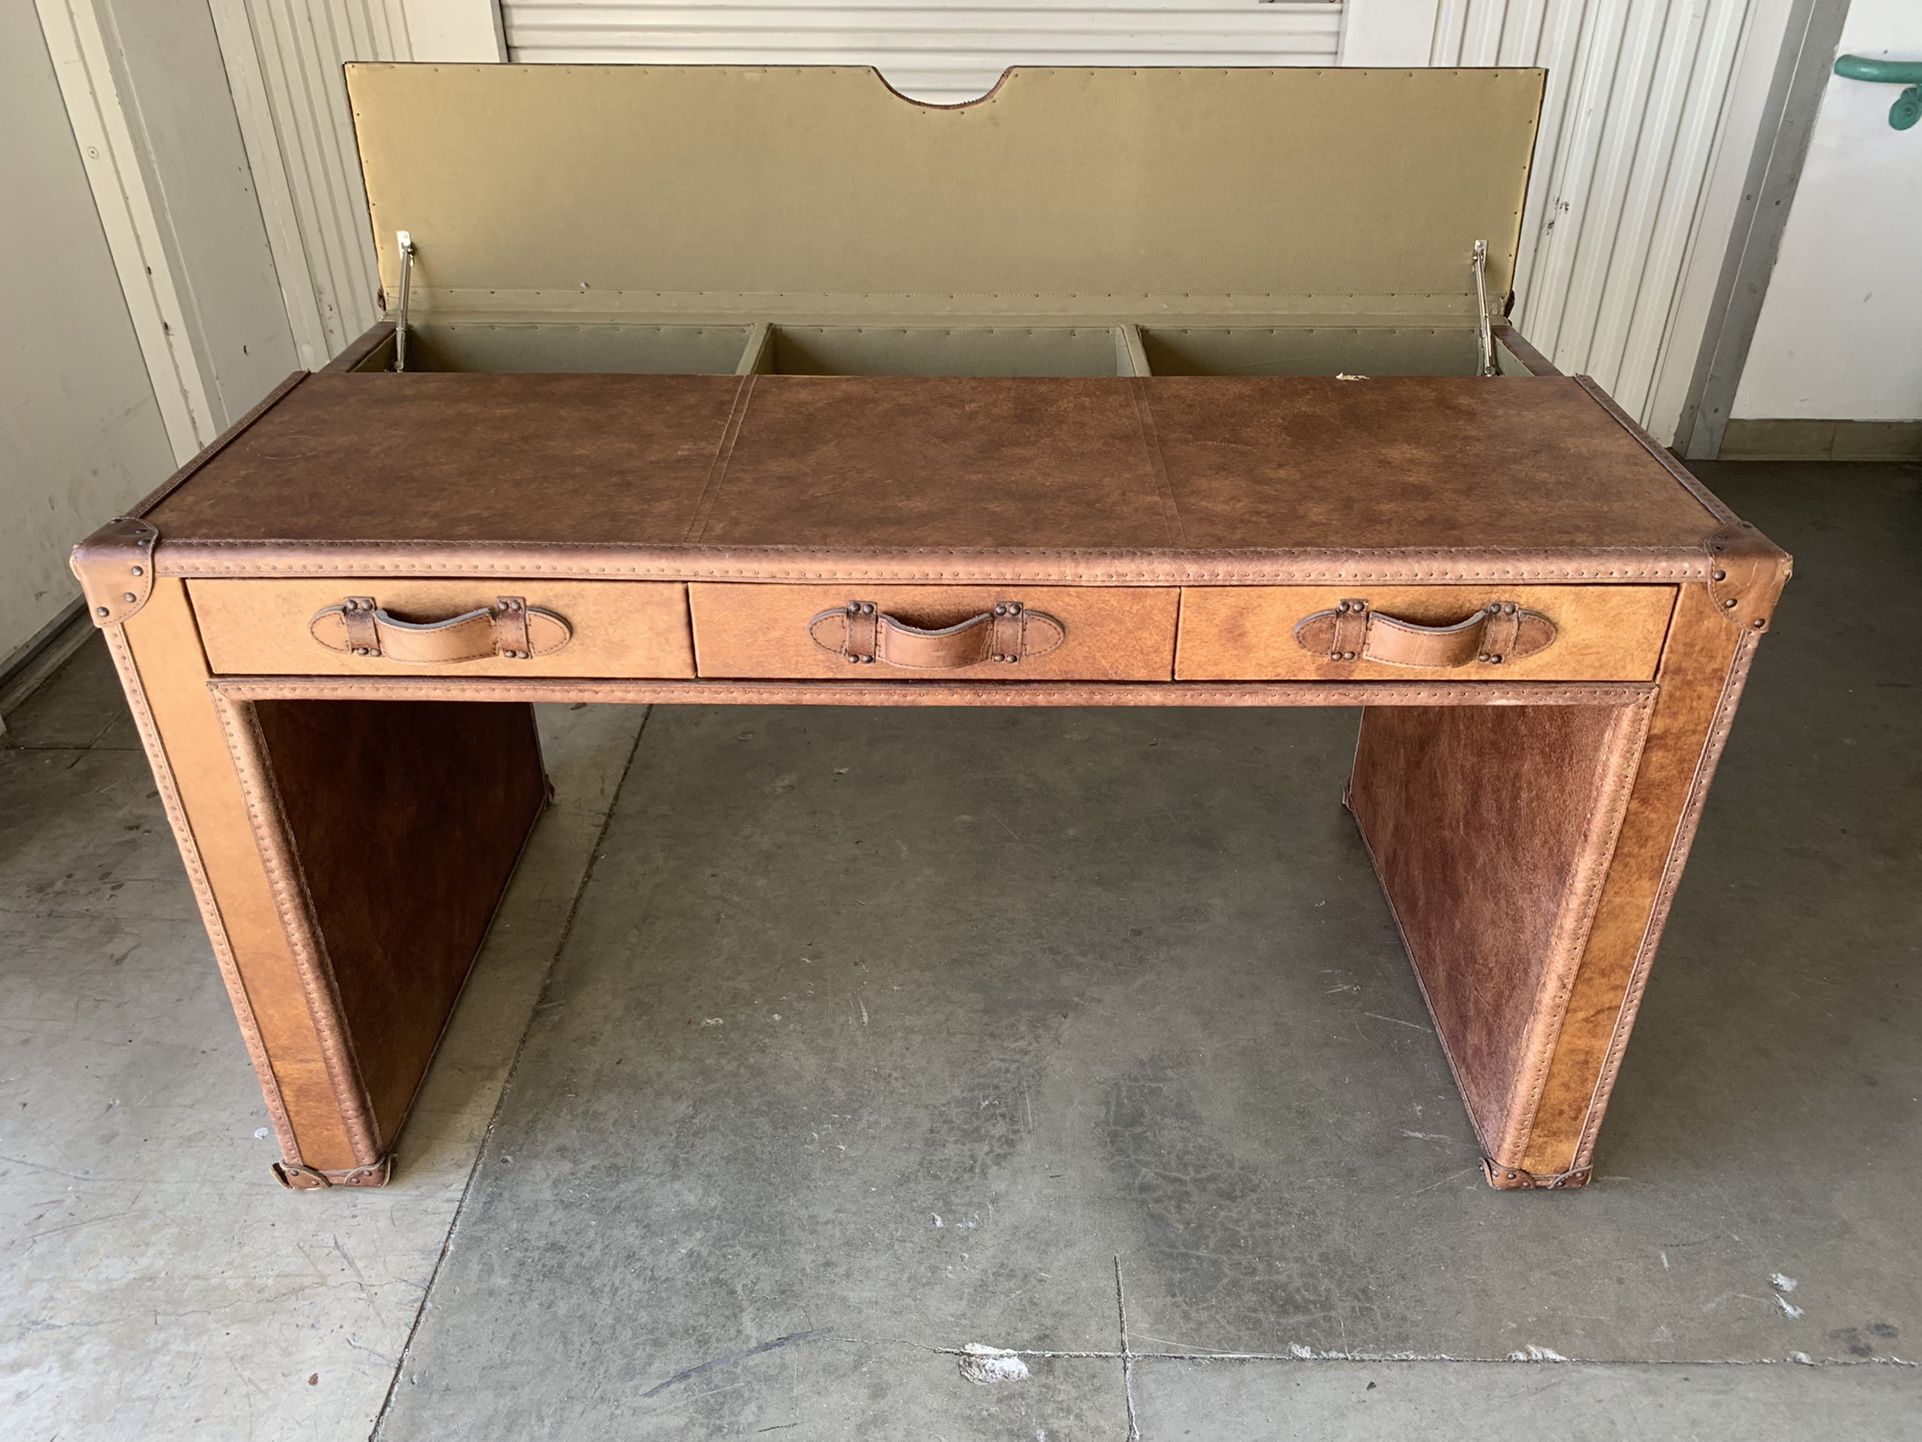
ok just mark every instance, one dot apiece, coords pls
pixel 862 633
pixel 1500 631
pixel 510 629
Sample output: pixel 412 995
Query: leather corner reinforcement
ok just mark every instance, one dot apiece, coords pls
pixel 1746 574
pixel 115 569
pixel 1514 1179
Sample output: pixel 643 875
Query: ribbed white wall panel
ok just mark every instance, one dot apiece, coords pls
pixel 1632 130
pixel 284 62
pixel 942 53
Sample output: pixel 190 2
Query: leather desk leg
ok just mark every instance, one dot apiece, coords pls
pixel 291 992
pixel 1530 859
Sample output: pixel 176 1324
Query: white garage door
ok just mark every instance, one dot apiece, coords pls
pixel 942 53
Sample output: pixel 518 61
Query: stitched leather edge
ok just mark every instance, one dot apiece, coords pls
pixel 1680 473
pixel 933 693
pixel 723 454
pixel 218 444
pixel 1519 346
pixel 1601 830
pixel 115 565
pixel 1746 569
pixel 232 558
pixel 1052 630
pixel 176 813
pixel 358 349
pixel 295 910
pixel 1157 462
pixel 1678 852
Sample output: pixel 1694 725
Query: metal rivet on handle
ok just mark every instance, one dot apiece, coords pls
pixel 101 611
pixel 140 570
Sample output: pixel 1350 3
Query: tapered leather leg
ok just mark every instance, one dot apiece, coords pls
pixel 1491 828
pixel 1704 667
pixel 389 831
pixel 1530 854
pixel 285 937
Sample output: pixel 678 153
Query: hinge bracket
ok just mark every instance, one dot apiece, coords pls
pixel 405 240
pixel 1484 326
pixel 115 569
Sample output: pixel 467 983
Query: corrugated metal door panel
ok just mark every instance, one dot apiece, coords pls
pixel 284 62
pixel 1631 126
pixel 937 53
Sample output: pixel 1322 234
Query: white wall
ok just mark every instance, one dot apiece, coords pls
pixel 1840 334
pixel 80 431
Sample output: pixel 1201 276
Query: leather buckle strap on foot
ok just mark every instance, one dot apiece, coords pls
pixel 297 1177
pixel 863 634
pixel 1499 632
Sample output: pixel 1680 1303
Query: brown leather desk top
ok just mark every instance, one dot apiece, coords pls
pixel 1168 466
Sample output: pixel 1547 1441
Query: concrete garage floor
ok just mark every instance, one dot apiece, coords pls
pixel 858 1038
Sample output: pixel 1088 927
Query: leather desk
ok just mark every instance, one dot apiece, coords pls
pixel 1116 387
pixel 1547 678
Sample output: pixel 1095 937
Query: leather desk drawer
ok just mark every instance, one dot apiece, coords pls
pixel 615 628
pixel 1069 633
pixel 1247 633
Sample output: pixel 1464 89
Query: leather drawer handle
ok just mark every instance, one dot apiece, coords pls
pixel 510 629
pixel 1500 631
pixel 860 632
